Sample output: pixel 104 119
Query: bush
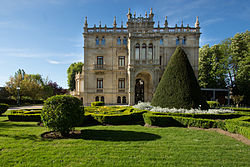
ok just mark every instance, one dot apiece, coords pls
pixel 62 113
pixel 178 87
pixel 213 104
pixel 25 117
pixel 97 103
pixel 3 108
pixel 239 125
pixel 167 120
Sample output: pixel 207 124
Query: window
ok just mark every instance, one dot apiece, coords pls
pixel 177 41
pixel 97 41
pixel 150 51
pixel 124 101
pixel 125 41
pixel 118 41
pixel 143 56
pixel 161 41
pixel 100 60
pixel 102 99
pixel 99 83
pixel 103 41
pixel 121 61
pixel 184 41
pixel 137 51
pixel 96 98
pixel 118 99
pixel 121 83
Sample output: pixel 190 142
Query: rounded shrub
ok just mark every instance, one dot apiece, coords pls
pixel 62 113
pixel 97 103
pixel 3 108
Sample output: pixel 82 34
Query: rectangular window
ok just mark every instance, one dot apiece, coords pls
pixel 121 61
pixel 121 83
pixel 100 83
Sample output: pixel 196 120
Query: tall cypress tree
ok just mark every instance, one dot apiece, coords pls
pixel 178 87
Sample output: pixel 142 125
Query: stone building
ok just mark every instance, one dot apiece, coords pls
pixel 123 65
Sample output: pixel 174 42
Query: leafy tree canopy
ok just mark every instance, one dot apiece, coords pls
pixel 72 70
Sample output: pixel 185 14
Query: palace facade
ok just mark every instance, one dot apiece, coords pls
pixel 123 65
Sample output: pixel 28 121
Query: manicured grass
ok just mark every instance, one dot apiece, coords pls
pixel 21 145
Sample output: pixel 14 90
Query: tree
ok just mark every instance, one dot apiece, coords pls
pixel 212 67
pixel 32 86
pixel 178 87
pixel 72 70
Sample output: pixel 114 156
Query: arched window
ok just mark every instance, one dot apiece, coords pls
pixel 118 41
pixel 124 100
pixel 103 41
pixel 97 98
pixel 184 41
pixel 143 56
pixel 125 41
pixel 97 41
pixel 118 99
pixel 137 51
pixel 177 41
pixel 150 51
pixel 102 99
pixel 161 41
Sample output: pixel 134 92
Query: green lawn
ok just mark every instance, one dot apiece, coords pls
pixel 21 145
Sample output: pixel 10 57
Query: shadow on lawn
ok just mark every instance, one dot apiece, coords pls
pixel 103 135
pixel 117 135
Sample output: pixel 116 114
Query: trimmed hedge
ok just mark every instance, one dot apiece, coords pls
pixel 3 108
pixel 237 109
pixel 167 120
pixel 25 117
pixel 132 118
pixel 239 125
pixel 213 104
pixel 204 116
pixel 97 103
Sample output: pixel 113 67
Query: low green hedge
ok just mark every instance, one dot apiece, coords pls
pixel 97 103
pixel 213 104
pixel 25 117
pixel 168 120
pixel 204 116
pixel 3 107
pixel 239 125
pixel 127 118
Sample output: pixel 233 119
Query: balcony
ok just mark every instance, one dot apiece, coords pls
pixel 99 67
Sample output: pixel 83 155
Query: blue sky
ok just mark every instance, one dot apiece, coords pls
pixel 45 36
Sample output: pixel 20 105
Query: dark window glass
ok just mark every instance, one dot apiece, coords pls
pixel 103 41
pixel 97 41
pixel 121 83
pixel 100 83
pixel 96 98
pixel 102 99
pixel 118 41
pixel 121 61
pixel 124 101
pixel 100 60
pixel 118 99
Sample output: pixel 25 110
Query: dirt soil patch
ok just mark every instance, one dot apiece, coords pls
pixel 76 134
pixel 233 135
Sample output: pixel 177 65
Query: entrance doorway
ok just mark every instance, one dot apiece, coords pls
pixel 139 91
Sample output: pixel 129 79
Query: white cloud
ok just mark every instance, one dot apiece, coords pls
pixel 53 62
pixel 211 21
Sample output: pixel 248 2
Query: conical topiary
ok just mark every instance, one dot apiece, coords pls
pixel 178 87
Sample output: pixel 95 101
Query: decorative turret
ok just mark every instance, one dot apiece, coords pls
pixel 166 22
pixel 134 15
pixel 85 23
pixel 151 14
pixel 197 23
pixel 114 24
pixel 146 15
pixel 129 15
pixel 181 23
